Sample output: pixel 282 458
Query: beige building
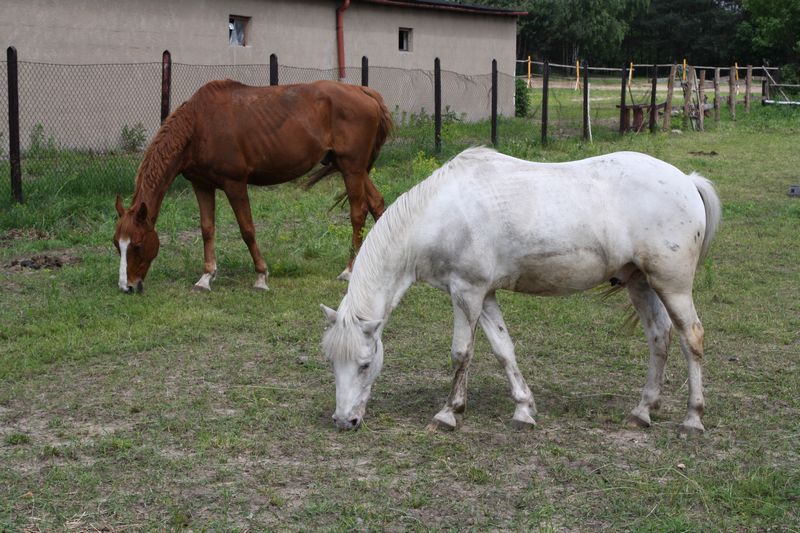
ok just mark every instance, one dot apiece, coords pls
pixel 311 38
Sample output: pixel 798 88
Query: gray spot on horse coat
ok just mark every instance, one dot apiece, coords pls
pixel 672 246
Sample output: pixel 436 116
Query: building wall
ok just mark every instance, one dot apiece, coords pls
pixel 101 70
pixel 195 31
pixel 464 43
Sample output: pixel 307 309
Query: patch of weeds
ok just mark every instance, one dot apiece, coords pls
pixel 478 475
pixel 17 439
pixel 133 138
pixel 113 446
pixel 53 452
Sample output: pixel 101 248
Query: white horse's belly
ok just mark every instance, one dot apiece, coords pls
pixel 560 274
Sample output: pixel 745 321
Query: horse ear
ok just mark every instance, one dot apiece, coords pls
pixel 120 209
pixel 329 313
pixel 370 327
pixel 141 214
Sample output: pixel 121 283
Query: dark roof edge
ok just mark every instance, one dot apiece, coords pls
pixel 448 6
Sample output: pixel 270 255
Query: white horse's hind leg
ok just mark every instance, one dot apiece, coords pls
pixel 681 309
pixel 491 320
pixel 658 330
pixel 466 310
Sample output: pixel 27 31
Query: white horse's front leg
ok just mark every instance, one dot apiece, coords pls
pixel 465 313
pixel 491 321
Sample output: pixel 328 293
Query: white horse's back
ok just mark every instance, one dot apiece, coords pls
pixel 559 228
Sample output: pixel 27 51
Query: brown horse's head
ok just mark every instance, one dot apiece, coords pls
pixel 137 243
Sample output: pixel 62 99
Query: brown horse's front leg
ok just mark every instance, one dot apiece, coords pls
pixel 206 203
pixel 355 185
pixel 240 202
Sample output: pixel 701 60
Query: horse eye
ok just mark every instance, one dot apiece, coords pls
pixel 364 367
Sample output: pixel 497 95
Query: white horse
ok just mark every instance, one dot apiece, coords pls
pixel 487 221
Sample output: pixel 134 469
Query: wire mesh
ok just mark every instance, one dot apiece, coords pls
pixel 112 111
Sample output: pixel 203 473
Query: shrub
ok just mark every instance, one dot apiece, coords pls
pixel 521 102
pixel 133 138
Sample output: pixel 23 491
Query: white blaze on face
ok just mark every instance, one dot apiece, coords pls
pixel 123 263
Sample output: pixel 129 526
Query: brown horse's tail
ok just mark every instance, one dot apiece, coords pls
pixel 385 123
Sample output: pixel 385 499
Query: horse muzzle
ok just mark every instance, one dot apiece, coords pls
pixel 347 424
pixel 137 287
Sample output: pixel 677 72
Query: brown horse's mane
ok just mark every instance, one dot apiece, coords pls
pixel 168 144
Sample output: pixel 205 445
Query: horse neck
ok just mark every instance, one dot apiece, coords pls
pixel 384 269
pixel 163 161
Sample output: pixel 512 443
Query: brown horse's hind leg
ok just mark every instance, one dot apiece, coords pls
pixel 374 199
pixel 355 185
pixel 206 203
pixel 240 202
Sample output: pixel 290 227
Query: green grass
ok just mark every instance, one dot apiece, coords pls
pixel 179 410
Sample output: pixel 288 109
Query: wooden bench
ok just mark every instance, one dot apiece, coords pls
pixel 638 115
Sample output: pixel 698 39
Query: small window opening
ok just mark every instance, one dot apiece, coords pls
pixel 405 39
pixel 237 30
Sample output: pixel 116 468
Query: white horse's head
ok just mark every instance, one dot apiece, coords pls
pixel 354 348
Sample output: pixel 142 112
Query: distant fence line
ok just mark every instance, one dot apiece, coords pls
pixel 642 101
pixel 117 108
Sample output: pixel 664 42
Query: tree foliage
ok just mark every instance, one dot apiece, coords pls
pixel 714 32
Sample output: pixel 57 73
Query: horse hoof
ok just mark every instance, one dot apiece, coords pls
pixel 688 428
pixel 637 421
pixel 261 283
pixel 523 425
pixel 197 287
pixel 443 422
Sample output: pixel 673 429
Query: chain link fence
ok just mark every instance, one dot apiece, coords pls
pixel 108 113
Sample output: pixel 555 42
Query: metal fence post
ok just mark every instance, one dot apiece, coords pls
pixel 13 124
pixel 494 102
pixel 437 105
pixel 273 69
pixel 623 115
pixel 364 71
pixel 585 99
pixel 545 90
pixel 166 83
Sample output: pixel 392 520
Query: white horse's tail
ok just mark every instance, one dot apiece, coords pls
pixel 713 211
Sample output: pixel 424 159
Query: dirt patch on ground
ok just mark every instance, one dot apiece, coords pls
pixel 43 261
pixel 23 234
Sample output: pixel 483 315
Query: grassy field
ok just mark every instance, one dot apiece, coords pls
pixel 180 410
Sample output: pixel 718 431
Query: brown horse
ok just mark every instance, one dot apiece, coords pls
pixel 229 135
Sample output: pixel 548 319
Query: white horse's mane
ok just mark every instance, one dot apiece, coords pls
pixel 390 233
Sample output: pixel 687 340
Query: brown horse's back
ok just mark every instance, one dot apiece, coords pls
pixel 267 135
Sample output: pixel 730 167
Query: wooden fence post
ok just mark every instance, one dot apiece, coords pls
pixel 623 112
pixel 437 105
pixel 586 134
pixel 653 110
pixel 166 83
pixel 364 71
pixel 748 88
pixel 668 106
pixel 494 102
pixel 13 124
pixel 732 92
pixel 701 101
pixel 273 69
pixel 716 94
pixel 687 97
pixel 545 90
